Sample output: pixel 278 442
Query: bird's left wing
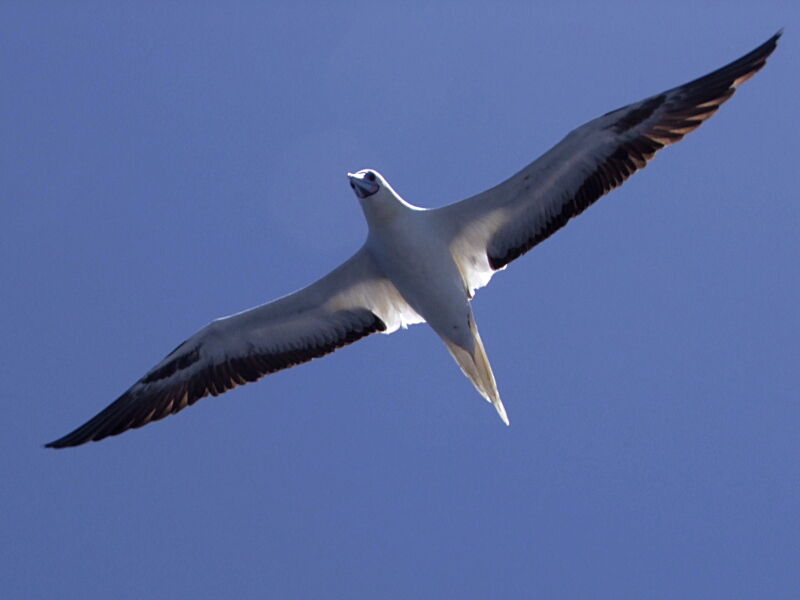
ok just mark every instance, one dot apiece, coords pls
pixel 489 230
pixel 346 305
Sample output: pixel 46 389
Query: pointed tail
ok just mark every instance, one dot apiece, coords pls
pixel 475 365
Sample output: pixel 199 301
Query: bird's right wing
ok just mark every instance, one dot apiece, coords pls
pixel 490 229
pixel 346 305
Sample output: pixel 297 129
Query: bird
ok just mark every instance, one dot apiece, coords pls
pixel 423 265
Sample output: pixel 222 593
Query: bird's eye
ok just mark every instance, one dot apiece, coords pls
pixel 369 176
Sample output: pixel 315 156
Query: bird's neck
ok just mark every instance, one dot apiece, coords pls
pixel 386 209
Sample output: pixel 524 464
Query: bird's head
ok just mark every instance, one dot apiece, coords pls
pixel 378 199
pixel 366 183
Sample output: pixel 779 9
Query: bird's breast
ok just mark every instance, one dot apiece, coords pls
pixel 418 261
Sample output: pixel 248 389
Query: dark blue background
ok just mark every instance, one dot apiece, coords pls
pixel 165 164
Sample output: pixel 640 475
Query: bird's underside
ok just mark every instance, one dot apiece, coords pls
pixel 423 265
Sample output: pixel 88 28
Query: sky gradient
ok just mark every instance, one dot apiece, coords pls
pixel 161 166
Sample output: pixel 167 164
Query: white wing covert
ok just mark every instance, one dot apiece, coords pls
pixel 351 302
pixel 489 230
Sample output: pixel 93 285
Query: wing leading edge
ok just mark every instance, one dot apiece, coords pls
pixel 491 229
pixel 348 304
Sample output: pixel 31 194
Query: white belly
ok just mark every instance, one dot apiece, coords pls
pixel 412 253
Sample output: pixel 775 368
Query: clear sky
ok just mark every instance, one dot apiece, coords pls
pixel 163 164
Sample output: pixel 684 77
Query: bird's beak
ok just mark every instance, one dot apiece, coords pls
pixel 361 186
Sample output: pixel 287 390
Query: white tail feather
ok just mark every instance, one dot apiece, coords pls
pixel 475 365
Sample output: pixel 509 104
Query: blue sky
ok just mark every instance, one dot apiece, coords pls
pixel 165 164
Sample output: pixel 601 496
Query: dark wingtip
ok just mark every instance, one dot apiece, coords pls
pixel 59 443
pixel 63 442
pixel 775 37
pixel 772 42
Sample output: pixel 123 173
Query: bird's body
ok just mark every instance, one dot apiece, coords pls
pixel 419 265
pixel 411 246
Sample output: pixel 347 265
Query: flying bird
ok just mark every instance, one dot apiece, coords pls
pixel 423 265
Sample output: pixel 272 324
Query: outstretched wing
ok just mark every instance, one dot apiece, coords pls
pixel 348 304
pixel 489 230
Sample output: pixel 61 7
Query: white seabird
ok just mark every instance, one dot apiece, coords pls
pixel 421 265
